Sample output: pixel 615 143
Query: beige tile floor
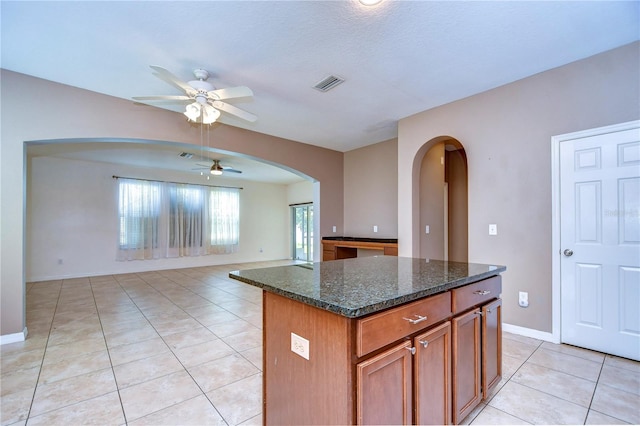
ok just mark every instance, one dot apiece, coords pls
pixel 185 347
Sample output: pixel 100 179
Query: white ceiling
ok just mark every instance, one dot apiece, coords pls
pixel 398 58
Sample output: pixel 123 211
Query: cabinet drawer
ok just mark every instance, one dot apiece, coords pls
pixel 381 329
pixel 463 298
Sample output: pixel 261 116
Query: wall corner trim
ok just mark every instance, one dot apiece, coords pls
pixel 13 338
pixel 530 332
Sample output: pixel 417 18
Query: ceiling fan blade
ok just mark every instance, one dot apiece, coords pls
pixel 227 169
pixel 234 111
pixel 172 79
pixel 231 92
pixel 163 98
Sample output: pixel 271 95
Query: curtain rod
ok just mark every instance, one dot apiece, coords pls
pixel 179 183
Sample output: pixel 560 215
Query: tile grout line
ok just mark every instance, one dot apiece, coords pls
pixel 538 346
pixel 172 352
pixel 595 388
pixel 44 353
pixel 124 414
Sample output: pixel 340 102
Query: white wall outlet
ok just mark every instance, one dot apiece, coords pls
pixel 493 229
pixel 375 228
pixel 426 229
pixel 523 299
pixel 300 346
pixel 334 228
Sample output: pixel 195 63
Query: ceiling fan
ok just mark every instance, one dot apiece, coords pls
pixel 217 169
pixel 204 102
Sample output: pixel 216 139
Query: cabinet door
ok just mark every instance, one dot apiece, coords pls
pixel 491 346
pixel 467 391
pixel 384 387
pixel 432 376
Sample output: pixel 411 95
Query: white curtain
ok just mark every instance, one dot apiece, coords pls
pixel 140 235
pixel 225 234
pixel 161 219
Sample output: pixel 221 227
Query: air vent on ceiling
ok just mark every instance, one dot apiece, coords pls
pixel 328 83
pixel 185 155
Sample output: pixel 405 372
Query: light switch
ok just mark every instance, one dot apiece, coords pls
pixel 426 229
pixel 334 229
pixel 493 229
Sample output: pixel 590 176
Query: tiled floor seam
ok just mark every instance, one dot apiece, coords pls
pixel 174 354
pixel 124 414
pixel 44 354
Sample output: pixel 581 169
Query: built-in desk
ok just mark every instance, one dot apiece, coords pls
pixel 334 248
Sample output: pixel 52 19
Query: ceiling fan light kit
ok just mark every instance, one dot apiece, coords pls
pixel 206 101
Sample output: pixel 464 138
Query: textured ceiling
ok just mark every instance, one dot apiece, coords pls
pixel 398 58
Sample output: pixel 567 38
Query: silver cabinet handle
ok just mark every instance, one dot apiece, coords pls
pixel 424 343
pixel 417 320
pixel 412 350
pixel 482 292
pixel 568 252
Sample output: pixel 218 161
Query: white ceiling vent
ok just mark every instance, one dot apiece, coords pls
pixel 328 83
pixel 185 155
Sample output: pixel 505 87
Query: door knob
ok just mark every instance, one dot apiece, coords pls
pixel 568 252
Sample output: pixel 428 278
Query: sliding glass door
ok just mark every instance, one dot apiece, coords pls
pixel 302 232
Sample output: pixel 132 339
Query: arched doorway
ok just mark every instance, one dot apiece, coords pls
pixel 443 217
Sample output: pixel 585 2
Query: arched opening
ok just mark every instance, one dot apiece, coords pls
pixel 71 202
pixel 442 222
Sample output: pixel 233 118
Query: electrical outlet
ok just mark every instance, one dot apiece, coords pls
pixel 300 346
pixel 426 229
pixel 493 229
pixel 523 299
pixel 375 228
pixel 334 228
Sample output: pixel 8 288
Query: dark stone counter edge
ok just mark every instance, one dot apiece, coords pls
pixel 363 240
pixel 374 307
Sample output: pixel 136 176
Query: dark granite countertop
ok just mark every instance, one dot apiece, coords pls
pixel 362 239
pixel 361 286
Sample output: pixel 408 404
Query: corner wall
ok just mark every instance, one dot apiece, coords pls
pixel 370 191
pixel 506 133
pixel 37 110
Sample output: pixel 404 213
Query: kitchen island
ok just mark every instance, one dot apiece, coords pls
pixel 385 339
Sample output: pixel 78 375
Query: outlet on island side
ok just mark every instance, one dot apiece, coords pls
pixel 300 346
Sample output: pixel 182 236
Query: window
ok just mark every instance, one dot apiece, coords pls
pixel 163 219
pixel 139 210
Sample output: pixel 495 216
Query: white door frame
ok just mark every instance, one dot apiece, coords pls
pixel 555 208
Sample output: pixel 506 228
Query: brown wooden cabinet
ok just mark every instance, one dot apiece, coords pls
pixel 432 376
pixel 491 346
pixel 384 387
pixel 467 391
pixel 476 344
pixel 430 361
pixel 393 388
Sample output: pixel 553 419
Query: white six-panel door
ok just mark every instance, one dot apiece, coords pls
pixel 599 203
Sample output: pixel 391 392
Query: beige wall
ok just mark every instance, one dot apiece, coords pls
pixel 458 218
pixel 72 213
pixel 34 109
pixel 370 191
pixel 431 204
pixel 506 133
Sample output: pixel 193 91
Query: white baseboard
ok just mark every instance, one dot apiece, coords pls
pixel 13 338
pixel 530 332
